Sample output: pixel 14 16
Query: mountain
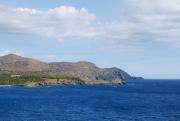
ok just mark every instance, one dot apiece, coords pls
pixel 15 64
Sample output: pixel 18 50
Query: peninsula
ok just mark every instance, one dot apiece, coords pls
pixel 17 70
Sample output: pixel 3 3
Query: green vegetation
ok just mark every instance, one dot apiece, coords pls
pixel 76 80
pixel 23 80
pixel 8 80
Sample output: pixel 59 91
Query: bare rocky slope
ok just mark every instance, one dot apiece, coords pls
pixel 14 64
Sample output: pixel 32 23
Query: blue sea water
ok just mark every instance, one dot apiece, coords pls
pixel 140 100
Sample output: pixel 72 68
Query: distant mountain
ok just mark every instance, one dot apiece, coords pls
pixel 15 64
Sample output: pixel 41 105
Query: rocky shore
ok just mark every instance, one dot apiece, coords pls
pixel 72 82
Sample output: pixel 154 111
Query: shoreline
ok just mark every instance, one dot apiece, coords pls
pixel 53 81
pixel 50 83
pixel 55 85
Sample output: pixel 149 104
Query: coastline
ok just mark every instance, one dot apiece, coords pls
pixel 66 82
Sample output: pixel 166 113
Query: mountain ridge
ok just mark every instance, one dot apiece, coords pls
pixel 15 64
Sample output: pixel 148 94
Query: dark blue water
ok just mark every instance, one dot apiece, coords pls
pixel 148 100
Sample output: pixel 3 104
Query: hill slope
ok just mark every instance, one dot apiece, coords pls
pixel 17 63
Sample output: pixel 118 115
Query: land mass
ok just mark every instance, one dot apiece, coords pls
pixel 17 70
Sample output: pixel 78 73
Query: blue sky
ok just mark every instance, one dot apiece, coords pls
pixel 138 36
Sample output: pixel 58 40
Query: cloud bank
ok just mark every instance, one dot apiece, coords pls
pixel 58 23
pixel 144 20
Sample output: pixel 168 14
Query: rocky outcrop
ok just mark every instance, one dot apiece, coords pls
pixel 88 71
pixel 49 82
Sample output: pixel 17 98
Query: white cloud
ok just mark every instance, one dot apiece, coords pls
pixel 58 23
pixel 157 20
pixel 145 20
pixel 155 6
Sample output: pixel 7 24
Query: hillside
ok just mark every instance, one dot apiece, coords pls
pixel 17 63
pixel 14 64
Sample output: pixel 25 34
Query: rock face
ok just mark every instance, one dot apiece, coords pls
pixel 85 70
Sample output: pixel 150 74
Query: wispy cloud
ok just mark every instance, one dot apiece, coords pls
pixel 51 55
pixel 5 52
pixel 155 20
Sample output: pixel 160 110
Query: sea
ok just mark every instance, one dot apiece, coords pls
pixel 137 100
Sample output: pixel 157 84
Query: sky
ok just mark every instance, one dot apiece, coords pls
pixel 139 36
